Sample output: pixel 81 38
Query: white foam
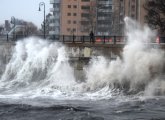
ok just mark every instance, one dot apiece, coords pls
pixel 41 69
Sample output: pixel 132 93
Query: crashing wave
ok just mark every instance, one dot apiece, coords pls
pixel 39 68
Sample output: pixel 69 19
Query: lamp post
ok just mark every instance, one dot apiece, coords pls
pixel 13 22
pixel 42 4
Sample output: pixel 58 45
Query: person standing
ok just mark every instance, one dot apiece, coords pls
pixel 91 37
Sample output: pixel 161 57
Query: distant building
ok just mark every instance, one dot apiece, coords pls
pixel 77 17
pixel 47 23
pixel 54 25
pixel 118 12
pixel 5 28
pixel 1 29
pixel 104 17
pixel 130 8
pixel 7 25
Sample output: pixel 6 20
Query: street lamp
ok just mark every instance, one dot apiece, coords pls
pixel 13 22
pixel 42 4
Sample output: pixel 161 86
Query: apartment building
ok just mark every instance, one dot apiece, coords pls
pixel 54 26
pixel 141 11
pixel 118 11
pixel 130 8
pixel 47 24
pixel 77 17
pixel 104 17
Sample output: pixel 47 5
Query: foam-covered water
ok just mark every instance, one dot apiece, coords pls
pixel 39 73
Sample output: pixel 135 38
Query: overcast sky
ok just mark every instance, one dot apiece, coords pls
pixel 23 9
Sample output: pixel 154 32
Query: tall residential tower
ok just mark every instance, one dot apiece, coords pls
pixel 104 17
pixel 55 18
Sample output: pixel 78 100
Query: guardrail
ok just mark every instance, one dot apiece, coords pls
pixel 16 37
pixel 79 39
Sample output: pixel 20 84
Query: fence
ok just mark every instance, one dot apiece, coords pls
pixel 16 37
pixel 79 39
pixel 70 38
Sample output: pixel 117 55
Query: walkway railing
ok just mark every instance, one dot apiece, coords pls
pixel 79 39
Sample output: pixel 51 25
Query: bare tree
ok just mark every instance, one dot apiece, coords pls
pixel 156 15
pixel 30 28
pixel 47 22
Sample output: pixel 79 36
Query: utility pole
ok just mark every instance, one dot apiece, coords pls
pixel 43 4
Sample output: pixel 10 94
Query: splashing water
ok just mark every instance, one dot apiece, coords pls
pixel 41 69
pixel 139 67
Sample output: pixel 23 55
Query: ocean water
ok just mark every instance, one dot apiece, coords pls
pixel 122 108
pixel 38 83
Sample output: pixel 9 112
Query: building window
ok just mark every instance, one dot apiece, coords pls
pixel 74 22
pixel 69 21
pixel 85 22
pixel 74 29
pixel 69 14
pixel 68 29
pixel 69 6
pixel 133 7
pixel 74 14
pixel 74 6
pixel 133 16
pixel 85 7
pixel 85 15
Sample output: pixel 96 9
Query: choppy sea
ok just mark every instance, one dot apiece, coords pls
pixel 116 108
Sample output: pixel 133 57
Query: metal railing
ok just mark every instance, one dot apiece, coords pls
pixel 95 39
pixel 78 39
pixel 17 37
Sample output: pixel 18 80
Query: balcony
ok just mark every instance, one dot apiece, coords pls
pixel 102 18
pixel 54 9
pixel 54 1
pixel 54 24
pixel 104 2
pixel 54 17
pixel 52 32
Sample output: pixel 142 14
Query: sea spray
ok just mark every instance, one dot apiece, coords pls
pixel 138 67
pixel 39 68
pixel 34 61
